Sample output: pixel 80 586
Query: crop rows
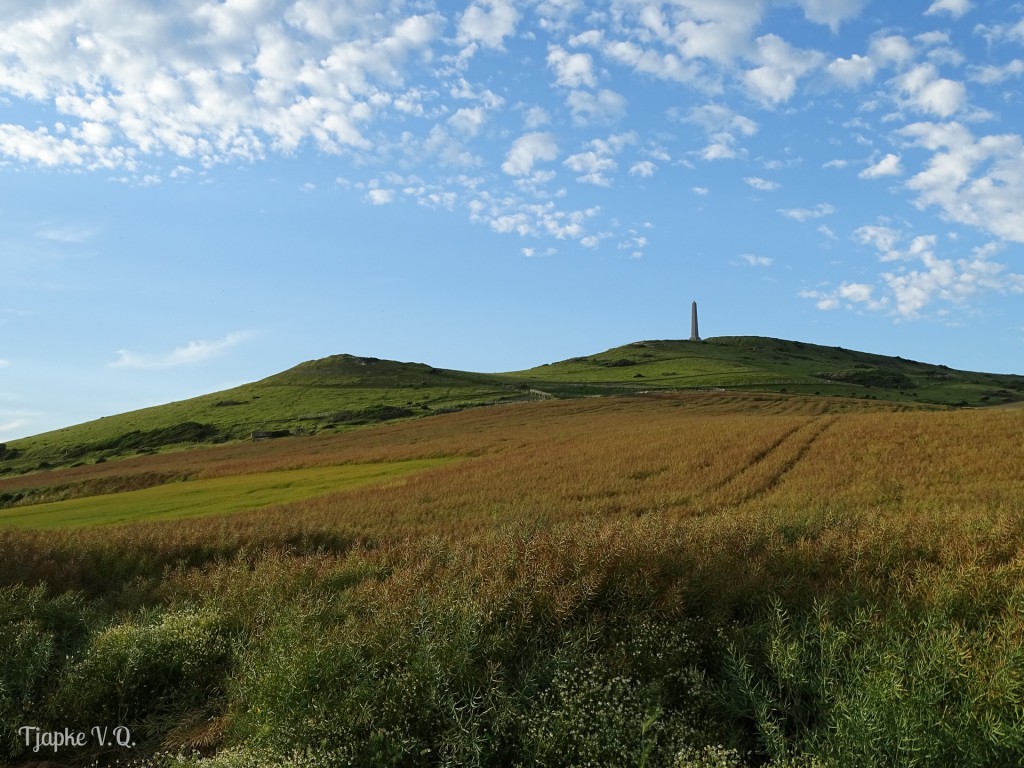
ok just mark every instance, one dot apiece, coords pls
pixel 676 580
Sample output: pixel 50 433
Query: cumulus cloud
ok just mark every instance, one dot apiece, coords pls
pixel 887 166
pixel 508 214
pixel 886 50
pixel 832 13
pixel 380 196
pixel 922 89
pixel 724 129
pixel 643 168
pixel 193 353
pixel 527 150
pixel 782 65
pixel 852 72
pixel 572 70
pixel 488 22
pixel 592 166
pixel 598 160
pixel 231 80
pixel 955 8
pixel 757 261
pixel 603 106
pixel 979 182
pixel 922 277
pixel 882 238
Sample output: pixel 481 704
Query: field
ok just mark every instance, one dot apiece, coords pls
pixel 662 579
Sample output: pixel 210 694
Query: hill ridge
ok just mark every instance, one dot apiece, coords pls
pixel 342 391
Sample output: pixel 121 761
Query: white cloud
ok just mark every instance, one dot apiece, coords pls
pixel 603 106
pixel 831 12
pixel 909 290
pixel 718 30
pixel 702 191
pixel 644 168
pixel 536 117
pixel 890 50
pixel 488 22
pixel 887 166
pixel 593 167
pixel 925 91
pixel 990 74
pixel 852 72
pixel 230 81
pixel 527 150
pixel 723 127
pixel 4 363
pixel 979 182
pixel 883 238
pixel 595 163
pixel 468 120
pixel 191 354
pixel 571 69
pixel 948 280
pixel 757 261
pixel 380 196
pixel 764 185
pixel 803 214
pixel 782 65
pixel 857 292
pixel 955 8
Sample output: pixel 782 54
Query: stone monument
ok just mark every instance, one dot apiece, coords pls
pixel 694 336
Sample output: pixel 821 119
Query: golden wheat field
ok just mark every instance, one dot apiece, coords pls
pixel 679 457
pixel 703 579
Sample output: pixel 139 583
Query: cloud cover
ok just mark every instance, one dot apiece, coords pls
pixel 499 109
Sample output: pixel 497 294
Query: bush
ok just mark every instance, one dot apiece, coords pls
pixel 37 636
pixel 138 672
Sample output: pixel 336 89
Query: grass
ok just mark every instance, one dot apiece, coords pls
pixel 223 495
pixel 699 579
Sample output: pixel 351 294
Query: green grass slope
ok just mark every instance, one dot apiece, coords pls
pixel 761 363
pixel 342 391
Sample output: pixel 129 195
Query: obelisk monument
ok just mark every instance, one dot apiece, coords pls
pixel 694 336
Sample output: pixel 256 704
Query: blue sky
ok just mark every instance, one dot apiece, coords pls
pixel 196 193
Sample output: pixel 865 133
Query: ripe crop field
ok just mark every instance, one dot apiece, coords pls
pixel 699 579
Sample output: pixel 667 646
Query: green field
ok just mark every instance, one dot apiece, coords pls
pixel 217 496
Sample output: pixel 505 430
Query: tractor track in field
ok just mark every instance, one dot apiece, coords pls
pixel 770 466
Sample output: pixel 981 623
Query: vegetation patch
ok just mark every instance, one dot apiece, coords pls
pixel 198 498
pixel 869 377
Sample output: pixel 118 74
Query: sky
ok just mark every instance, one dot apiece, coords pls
pixel 195 194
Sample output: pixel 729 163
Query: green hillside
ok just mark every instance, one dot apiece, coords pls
pixel 343 391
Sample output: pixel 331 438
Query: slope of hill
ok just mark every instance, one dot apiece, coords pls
pixel 342 391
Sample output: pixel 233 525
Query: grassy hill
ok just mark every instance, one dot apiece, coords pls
pixel 340 392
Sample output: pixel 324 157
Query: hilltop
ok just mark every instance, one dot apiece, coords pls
pixel 344 391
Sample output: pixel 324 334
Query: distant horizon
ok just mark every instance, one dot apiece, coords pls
pixel 704 339
pixel 202 193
